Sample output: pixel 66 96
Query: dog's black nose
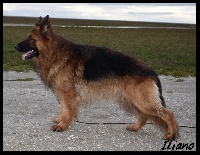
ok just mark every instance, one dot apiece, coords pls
pixel 16 47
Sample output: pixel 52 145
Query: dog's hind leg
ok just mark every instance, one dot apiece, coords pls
pixel 145 97
pixel 141 121
pixel 172 130
pixel 69 108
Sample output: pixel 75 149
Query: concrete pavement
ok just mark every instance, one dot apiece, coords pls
pixel 28 110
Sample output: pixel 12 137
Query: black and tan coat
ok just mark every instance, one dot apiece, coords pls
pixel 84 73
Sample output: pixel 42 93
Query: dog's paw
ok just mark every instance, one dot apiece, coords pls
pixel 168 136
pixel 57 128
pixel 132 127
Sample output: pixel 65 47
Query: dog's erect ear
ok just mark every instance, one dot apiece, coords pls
pixel 39 21
pixel 46 21
pixel 45 24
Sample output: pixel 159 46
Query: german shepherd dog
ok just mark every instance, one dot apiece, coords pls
pixel 86 73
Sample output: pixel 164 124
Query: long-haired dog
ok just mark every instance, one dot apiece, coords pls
pixel 86 73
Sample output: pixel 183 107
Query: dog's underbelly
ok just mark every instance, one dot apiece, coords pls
pixel 101 90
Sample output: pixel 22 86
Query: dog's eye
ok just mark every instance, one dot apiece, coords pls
pixel 30 38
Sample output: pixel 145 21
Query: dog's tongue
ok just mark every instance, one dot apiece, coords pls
pixel 25 54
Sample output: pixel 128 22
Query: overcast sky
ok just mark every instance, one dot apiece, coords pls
pixel 150 12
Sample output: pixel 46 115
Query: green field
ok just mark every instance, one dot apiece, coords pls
pixel 167 51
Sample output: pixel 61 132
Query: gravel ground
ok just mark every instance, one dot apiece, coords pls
pixel 28 110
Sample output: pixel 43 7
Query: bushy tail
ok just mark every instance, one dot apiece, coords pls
pixel 158 83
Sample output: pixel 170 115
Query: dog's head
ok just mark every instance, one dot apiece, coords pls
pixel 36 39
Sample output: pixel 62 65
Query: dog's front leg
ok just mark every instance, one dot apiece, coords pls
pixel 69 102
pixel 58 118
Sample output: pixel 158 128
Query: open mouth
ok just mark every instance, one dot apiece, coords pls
pixel 30 54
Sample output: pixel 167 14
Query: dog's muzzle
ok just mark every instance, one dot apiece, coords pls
pixel 29 54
